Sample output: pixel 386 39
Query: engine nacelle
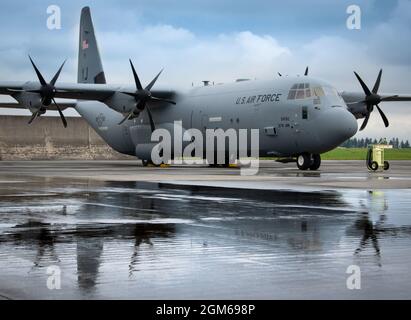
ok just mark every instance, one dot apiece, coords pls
pixel 122 103
pixel 355 104
pixel 31 101
pixel 359 110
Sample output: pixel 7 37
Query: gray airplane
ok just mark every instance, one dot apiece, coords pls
pixel 299 118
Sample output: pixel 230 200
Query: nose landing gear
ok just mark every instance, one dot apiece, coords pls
pixel 307 161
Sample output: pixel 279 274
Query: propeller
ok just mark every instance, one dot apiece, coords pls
pixel 372 98
pixel 142 97
pixel 47 92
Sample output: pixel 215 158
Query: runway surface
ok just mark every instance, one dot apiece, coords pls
pixel 118 230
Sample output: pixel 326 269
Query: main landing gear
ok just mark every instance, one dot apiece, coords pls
pixel 307 161
pixel 149 163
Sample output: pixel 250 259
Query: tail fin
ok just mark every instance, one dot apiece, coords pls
pixel 90 68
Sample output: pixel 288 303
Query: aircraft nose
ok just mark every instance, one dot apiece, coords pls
pixel 338 125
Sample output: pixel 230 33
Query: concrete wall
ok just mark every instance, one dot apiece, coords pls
pixel 46 138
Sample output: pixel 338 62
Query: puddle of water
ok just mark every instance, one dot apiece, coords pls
pixel 135 240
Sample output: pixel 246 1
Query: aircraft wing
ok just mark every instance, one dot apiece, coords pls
pixel 16 105
pixel 66 91
pixel 78 91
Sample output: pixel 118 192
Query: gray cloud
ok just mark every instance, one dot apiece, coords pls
pixel 228 48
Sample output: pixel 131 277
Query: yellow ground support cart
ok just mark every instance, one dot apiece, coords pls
pixel 376 157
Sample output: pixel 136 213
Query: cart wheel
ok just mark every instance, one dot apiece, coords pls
pixel 374 166
pixel 386 165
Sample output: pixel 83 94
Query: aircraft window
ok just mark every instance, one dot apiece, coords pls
pixel 300 91
pixel 291 95
pixel 330 91
pixel 300 94
pixel 319 92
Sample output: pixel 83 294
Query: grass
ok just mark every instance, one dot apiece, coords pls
pixel 361 154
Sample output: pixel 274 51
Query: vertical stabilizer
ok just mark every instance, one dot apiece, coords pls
pixel 90 68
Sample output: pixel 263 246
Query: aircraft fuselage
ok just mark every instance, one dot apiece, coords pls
pixel 313 123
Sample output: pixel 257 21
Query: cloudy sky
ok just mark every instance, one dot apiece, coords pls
pixel 222 41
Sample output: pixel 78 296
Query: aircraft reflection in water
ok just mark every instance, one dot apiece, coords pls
pixel 122 230
pixel 371 230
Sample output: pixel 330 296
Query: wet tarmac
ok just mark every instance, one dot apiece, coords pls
pixel 161 240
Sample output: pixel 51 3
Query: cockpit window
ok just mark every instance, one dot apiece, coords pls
pixel 330 91
pixel 300 91
pixel 305 91
pixel 319 92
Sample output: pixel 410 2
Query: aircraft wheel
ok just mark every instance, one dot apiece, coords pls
pixel 386 165
pixel 304 161
pixel 230 160
pixel 212 162
pixel 374 166
pixel 149 163
pixel 316 162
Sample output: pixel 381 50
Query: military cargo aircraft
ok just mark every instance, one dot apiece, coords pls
pixel 298 118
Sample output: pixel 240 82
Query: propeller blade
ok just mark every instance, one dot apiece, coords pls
pixel 55 78
pixel 33 117
pixel 388 98
pixel 63 118
pixel 163 100
pixel 377 83
pixel 126 118
pixel 384 118
pixel 364 124
pixel 41 79
pixel 150 116
pixel 136 79
pixel 363 85
pixel 306 72
pixel 154 81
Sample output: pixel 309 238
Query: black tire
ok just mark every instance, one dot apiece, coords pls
pixel 304 161
pixel 386 165
pixel 374 166
pixel 230 159
pixel 227 161
pixel 147 163
pixel 316 162
pixel 214 160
